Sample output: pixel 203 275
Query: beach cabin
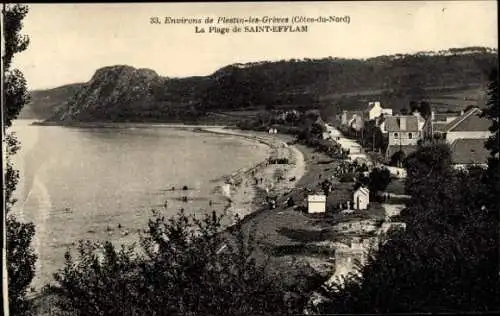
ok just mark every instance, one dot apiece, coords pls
pixel 361 198
pixel 316 203
pixel 226 190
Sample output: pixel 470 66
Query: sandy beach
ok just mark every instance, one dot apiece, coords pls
pixel 249 186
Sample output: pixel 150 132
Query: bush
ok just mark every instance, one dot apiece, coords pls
pixel 347 177
pixel 181 270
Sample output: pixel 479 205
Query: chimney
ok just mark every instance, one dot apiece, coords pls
pixel 402 123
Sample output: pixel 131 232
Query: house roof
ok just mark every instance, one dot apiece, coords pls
pixel 362 190
pixel 393 123
pixel 372 104
pixel 469 122
pixel 469 151
pixel 407 149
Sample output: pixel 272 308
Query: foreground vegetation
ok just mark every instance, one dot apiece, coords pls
pixel 183 267
pixel 20 255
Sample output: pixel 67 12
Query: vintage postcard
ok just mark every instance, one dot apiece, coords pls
pixel 251 158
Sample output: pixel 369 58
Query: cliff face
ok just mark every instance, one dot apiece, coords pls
pixel 114 93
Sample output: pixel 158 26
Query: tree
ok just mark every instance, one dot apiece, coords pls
pixel 397 158
pixel 493 173
pixel 493 113
pixel 425 109
pixel 20 256
pixel 326 186
pixel 317 129
pixel 414 106
pixel 184 267
pixel 378 181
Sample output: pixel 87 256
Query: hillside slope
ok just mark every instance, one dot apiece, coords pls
pixel 123 93
pixel 44 102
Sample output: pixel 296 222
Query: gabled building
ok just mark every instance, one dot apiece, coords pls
pixel 403 134
pixel 402 130
pixel 466 134
pixel 375 110
pixel 420 120
pixel 470 125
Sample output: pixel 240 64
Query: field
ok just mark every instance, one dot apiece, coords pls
pixel 458 100
pixel 442 99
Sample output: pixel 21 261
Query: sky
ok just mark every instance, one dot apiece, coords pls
pixel 69 42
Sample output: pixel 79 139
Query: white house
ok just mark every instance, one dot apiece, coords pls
pixel 316 203
pixel 375 110
pixel 361 198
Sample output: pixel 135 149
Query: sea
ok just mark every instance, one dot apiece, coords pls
pixel 95 183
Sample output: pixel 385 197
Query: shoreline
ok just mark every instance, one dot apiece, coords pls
pixel 122 124
pixel 250 184
pixel 246 197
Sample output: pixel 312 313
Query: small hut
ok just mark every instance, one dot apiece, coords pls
pixel 361 198
pixel 316 203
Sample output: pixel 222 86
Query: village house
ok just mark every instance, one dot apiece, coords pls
pixel 375 110
pixel 466 135
pixel 361 198
pixel 403 134
pixel 421 121
pixel 469 125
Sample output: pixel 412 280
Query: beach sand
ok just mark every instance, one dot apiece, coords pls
pixel 247 193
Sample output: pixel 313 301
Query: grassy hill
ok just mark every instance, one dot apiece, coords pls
pixel 330 84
